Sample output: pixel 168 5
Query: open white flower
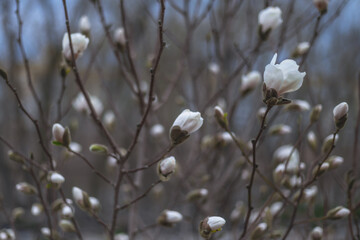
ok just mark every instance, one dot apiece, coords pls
pixel 79 43
pixel 284 77
pixel 269 18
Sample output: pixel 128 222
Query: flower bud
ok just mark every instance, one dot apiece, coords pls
pixel 298 105
pixel 210 225
pixel 76 147
pixel 185 124
pixel 310 193
pixel 26 188
pixel 315 113
pixel 301 49
pixel 7 234
pixel 95 204
pixel 261 113
pixel 328 142
pixel 84 25
pixel 337 213
pixel 58 132
pixel 323 168
pixel 56 178
pixel 81 198
pixel 280 129
pixel 335 161
pixel 321 5
pixel 79 44
pixel 214 68
pixel 111 163
pixel 109 119
pixel 168 218
pixel 157 130
pixel 250 82
pixel 45 231
pixel 340 114
pixel 17 213
pixel 237 212
pixel 36 209
pixel 119 37
pixel 269 19
pixel 279 173
pixel 66 225
pixel 259 231
pixel 316 233
pixel 220 117
pixel 67 212
pixel 166 167
pixel 98 148
pixel 121 236
pixel 15 157
pixel 312 141
pixel 197 194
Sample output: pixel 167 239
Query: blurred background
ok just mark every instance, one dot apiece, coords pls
pixel 210 45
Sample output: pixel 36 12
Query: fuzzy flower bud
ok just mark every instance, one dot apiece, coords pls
pixel 214 68
pixel 315 113
pixel 249 82
pixel 67 212
pixel 316 233
pixel 310 193
pixel 301 49
pixel 7 234
pixel 338 213
pixel 197 194
pixel 119 36
pixel 36 209
pixel 66 225
pixel 328 142
pixel 166 167
pixel 157 130
pixel 185 124
pixel 79 43
pixel 81 198
pixel 109 119
pixel 220 117
pixel 168 218
pixel 340 114
pixel 56 178
pixel 335 161
pixel 312 140
pixel 210 225
pixel 259 231
pixel 84 25
pixel 95 204
pixel 121 236
pixel 17 213
pixel 80 104
pixel 26 188
pixel 58 132
pixel 298 105
pixel 280 129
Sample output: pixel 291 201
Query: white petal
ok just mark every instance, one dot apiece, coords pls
pixel 273 77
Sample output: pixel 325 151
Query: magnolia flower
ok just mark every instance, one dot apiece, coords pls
pixel 210 225
pixel 185 124
pixel 250 81
pixel 269 18
pixel 58 132
pixel 316 233
pixel 80 104
pixel 79 43
pixel 157 130
pixel 169 218
pixel 214 68
pixel 340 114
pixel 166 168
pixel 284 77
pixel 119 36
pixel 84 25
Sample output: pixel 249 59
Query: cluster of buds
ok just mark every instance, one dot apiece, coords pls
pixel 185 124
pixel 210 225
pixel 168 218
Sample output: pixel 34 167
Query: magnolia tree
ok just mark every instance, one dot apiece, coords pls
pixel 177 127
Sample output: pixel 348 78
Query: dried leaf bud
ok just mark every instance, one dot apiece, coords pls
pixel 341 114
pixel 312 140
pixel 337 213
pixel 321 5
pixel 98 148
pixel 36 209
pixel 328 142
pixel 185 124
pixel 280 129
pixel 197 194
pixel 26 188
pixel 259 231
pixel 315 113
pixel 168 218
pixel 66 225
pixel 220 117
pixel 210 225
pixel 316 233
pixel 166 167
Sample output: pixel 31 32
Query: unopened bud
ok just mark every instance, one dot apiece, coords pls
pixel 36 209
pixel 329 142
pixel 17 213
pixel 280 129
pixel 66 225
pixel 301 49
pixel 109 119
pixel 341 114
pixel 249 82
pixel 335 161
pixel 45 231
pixel 98 148
pixel 166 167
pixel 95 204
pixel 58 132
pixel 316 233
pixel 168 218
pixel 321 5
pixel 337 213
pixel 84 25
pixel 323 168
pixel 15 157
pixel 312 141
pixel 119 37
pixel 157 130
pixel 259 231
pixel 220 117
pixel 67 212
pixel 197 194
pixel 298 105
pixel 315 113
pixel 210 225
pixel 26 188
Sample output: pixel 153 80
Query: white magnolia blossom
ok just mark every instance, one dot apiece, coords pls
pixel 119 36
pixel 250 81
pixel 188 121
pixel 269 18
pixel 80 104
pixel 57 178
pixel 58 132
pixel 84 24
pixel 214 68
pixel 157 130
pixel 167 166
pixel 340 110
pixel 215 223
pixel 302 48
pixel 284 77
pixel 79 43
pixel 172 216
